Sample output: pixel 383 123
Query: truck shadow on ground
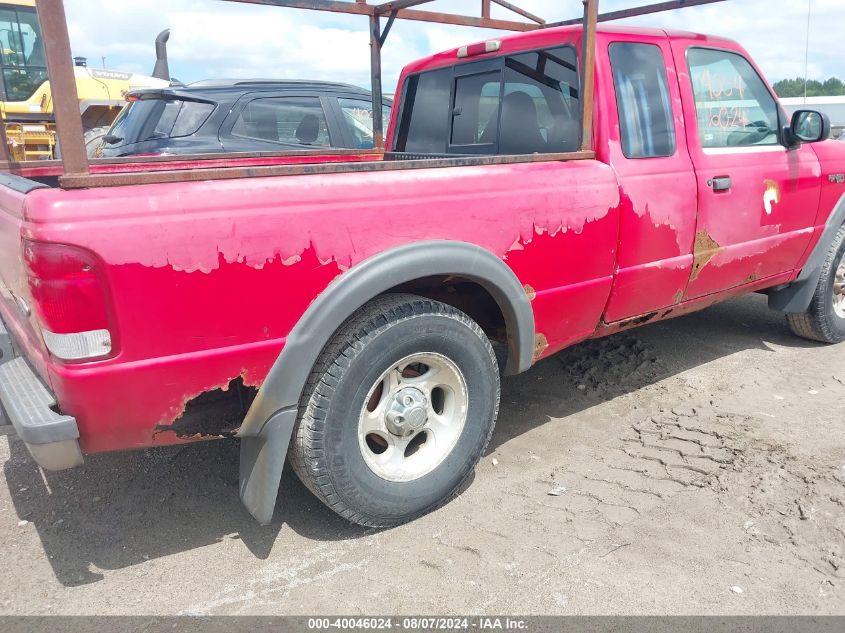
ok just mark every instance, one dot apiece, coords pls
pixel 123 509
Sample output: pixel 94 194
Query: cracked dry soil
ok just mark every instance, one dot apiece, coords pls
pixel 650 472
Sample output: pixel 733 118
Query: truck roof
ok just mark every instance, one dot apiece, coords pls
pixel 544 38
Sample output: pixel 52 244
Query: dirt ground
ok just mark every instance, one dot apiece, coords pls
pixel 694 466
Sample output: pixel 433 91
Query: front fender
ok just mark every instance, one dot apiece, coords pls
pixel 796 297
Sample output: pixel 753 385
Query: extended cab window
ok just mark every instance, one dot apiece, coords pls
pixel 521 104
pixel 642 97
pixel 734 107
pixel 289 120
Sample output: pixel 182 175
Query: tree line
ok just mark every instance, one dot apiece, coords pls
pixel 833 87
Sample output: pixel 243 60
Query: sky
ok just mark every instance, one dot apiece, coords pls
pixel 215 39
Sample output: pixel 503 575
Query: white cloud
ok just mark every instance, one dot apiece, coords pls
pixel 773 32
pixel 220 39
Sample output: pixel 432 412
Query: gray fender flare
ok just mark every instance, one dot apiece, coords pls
pixel 268 426
pixel 796 297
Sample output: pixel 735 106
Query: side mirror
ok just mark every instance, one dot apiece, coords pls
pixel 809 126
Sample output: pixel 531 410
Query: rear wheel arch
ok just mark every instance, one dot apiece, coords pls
pixel 269 423
pixel 471 298
pixel 397 270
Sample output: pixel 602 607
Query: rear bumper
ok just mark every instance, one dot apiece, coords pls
pixel 51 438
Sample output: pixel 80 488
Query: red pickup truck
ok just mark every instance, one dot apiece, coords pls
pixel 354 316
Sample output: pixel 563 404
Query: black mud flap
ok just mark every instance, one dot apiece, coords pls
pixel 261 462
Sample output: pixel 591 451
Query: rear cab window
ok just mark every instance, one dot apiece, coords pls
pixel 149 119
pixel 524 103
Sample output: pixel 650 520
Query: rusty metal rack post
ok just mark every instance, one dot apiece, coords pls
pixel 51 14
pixel 66 104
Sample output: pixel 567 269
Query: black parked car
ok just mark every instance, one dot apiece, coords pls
pixel 242 116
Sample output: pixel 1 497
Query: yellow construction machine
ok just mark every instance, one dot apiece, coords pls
pixel 26 101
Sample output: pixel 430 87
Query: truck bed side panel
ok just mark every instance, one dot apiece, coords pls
pixel 208 278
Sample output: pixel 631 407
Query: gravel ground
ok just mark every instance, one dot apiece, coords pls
pixel 693 466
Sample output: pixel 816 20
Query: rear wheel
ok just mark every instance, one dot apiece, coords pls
pixel 824 320
pixel 397 412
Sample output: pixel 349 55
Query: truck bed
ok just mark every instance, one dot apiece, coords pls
pixel 206 279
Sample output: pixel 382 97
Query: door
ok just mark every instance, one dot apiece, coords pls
pixel 646 144
pixel 757 201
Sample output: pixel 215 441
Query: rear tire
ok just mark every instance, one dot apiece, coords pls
pixel 397 412
pixel 824 320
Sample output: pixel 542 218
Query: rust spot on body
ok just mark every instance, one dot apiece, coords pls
pixel 704 249
pixel 541 344
pixel 213 413
pixel 530 292
pixel 679 296
pixel 635 321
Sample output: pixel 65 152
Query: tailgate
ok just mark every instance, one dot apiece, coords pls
pixel 15 299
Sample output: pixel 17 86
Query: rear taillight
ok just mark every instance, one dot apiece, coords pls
pixel 71 302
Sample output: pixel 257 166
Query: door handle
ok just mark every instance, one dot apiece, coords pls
pixel 721 183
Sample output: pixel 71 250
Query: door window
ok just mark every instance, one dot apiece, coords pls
pixel 642 97
pixel 734 107
pixel 289 120
pixel 358 116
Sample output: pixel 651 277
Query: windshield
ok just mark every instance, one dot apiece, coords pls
pixel 24 65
